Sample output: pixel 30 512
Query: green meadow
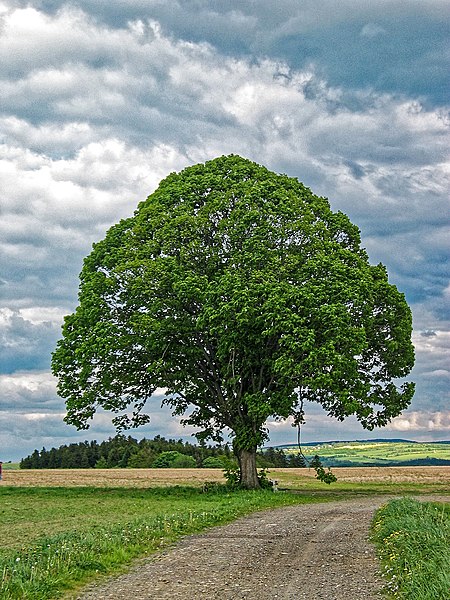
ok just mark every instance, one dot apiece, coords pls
pixel 377 453
pixel 54 540
pixel 413 544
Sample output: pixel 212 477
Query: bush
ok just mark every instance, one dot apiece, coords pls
pixel 212 462
pixel 174 460
pixel 184 461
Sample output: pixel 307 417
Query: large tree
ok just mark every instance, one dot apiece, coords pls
pixel 240 294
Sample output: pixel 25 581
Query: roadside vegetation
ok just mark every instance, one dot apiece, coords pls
pixel 55 539
pixel 413 541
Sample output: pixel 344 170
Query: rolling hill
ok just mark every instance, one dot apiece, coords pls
pixel 379 452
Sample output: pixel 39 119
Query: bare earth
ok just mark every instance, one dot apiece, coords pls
pixel 313 552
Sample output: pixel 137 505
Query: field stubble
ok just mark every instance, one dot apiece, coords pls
pixel 291 478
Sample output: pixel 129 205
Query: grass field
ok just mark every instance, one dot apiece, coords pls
pixel 54 539
pixel 374 480
pixel 9 466
pixel 413 543
pixel 60 528
pixel 375 453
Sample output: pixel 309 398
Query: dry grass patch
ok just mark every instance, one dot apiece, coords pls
pixel 136 478
pixel 404 480
pixel 380 474
pixel 437 477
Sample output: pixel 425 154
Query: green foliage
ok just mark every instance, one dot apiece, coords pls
pixel 174 460
pixel 129 523
pixel 325 476
pixel 213 462
pixel 315 462
pixel 264 482
pixel 322 475
pixel 241 293
pixel 121 451
pixel 273 457
pixel 232 475
pixel 183 461
pixel 413 542
pixel 297 461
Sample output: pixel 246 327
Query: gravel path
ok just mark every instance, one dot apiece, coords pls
pixel 313 552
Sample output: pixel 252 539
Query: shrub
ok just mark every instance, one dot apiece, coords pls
pixel 212 462
pixel 184 461
pixel 174 460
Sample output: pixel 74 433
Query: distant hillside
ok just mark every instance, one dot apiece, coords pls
pixel 378 452
pixel 377 440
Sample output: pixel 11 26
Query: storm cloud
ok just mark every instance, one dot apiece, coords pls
pixel 100 101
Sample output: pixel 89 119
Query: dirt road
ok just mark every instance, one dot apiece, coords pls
pixel 313 552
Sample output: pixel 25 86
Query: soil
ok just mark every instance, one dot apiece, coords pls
pixel 313 552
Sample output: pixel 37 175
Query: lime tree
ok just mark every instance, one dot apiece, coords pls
pixel 240 294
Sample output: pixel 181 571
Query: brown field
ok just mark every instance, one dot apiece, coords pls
pixel 110 477
pixel 165 477
pixel 420 475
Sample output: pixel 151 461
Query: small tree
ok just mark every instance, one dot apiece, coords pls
pixel 213 462
pixel 297 461
pixel 241 294
pixel 315 462
pixel 175 460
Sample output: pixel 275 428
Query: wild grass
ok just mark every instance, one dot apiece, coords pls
pixel 84 532
pixel 54 539
pixel 413 542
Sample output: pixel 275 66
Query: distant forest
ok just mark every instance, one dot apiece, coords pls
pixel 122 451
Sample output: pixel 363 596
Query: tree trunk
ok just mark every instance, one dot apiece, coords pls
pixel 247 466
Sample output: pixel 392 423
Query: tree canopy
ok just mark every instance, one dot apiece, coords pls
pixel 241 294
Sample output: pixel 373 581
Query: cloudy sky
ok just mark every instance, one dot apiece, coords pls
pixel 100 100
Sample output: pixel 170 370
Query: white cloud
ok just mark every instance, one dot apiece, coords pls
pixel 98 106
pixel 37 315
pixel 31 416
pixel 46 138
pixel 25 392
pixel 416 422
pixel 31 38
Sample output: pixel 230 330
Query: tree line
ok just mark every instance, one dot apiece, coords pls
pixel 125 451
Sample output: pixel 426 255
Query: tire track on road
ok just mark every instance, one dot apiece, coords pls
pixel 310 551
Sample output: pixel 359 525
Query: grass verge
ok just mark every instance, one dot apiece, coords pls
pixel 127 523
pixel 413 542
